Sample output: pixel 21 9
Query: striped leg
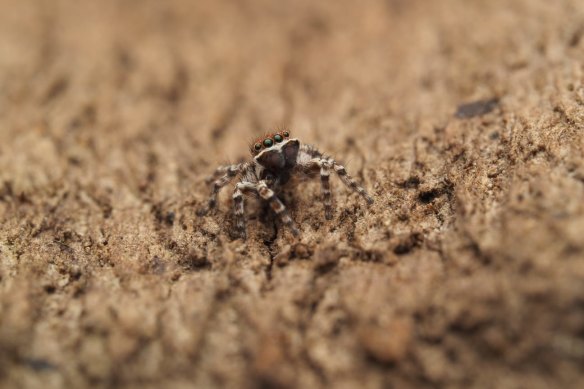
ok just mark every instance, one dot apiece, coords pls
pixel 325 168
pixel 238 207
pixel 229 172
pixel 268 195
pixel 351 183
pixel 224 169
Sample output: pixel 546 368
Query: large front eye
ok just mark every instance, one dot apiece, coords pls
pixel 257 146
pixel 278 138
pixel 268 142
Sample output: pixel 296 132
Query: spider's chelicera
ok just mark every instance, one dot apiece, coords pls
pixel 276 158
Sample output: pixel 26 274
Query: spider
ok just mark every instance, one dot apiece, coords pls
pixel 276 159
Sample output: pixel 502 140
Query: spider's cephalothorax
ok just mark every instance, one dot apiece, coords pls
pixel 276 158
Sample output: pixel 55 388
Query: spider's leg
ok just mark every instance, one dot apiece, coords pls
pixel 238 206
pixel 324 165
pixel 280 209
pixel 229 172
pixel 224 169
pixel 218 172
pixel 325 168
pixel 350 181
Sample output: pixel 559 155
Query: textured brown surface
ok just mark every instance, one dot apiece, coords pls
pixel 467 272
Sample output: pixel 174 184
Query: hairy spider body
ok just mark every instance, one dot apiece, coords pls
pixel 276 159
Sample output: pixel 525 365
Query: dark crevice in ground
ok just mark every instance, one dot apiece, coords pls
pixel 271 246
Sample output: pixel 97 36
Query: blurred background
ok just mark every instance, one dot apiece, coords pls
pixel 464 119
pixel 105 76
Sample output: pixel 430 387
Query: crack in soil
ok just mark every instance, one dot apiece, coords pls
pixel 269 243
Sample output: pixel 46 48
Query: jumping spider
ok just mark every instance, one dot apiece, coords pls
pixel 276 159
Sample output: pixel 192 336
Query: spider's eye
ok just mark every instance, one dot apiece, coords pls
pixel 286 134
pixel 278 138
pixel 257 146
pixel 268 142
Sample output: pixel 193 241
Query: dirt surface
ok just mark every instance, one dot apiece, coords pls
pixel 465 121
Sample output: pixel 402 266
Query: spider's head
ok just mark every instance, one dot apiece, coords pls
pixel 275 151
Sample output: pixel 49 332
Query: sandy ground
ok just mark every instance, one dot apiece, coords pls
pixel 464 119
